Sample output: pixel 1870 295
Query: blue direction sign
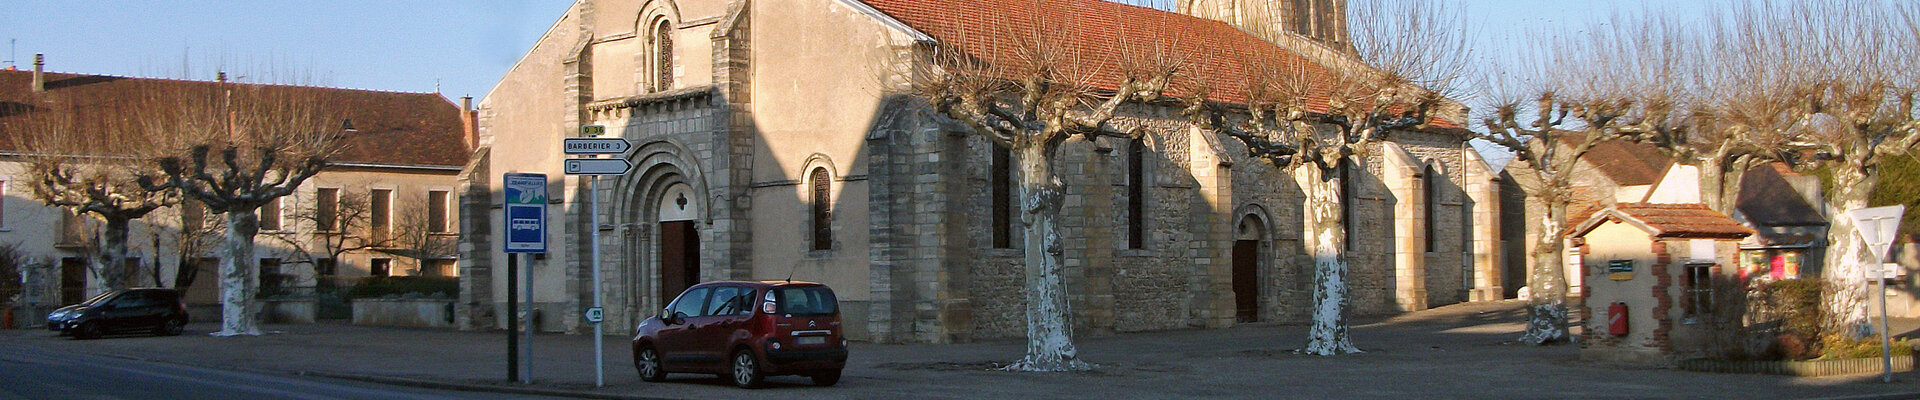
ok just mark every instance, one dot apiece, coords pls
pixel 526 213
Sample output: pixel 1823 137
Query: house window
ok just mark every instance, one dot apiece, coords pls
pixel 822 209
pixel 1303 17
pixel 663 55
pixel 326 210
pixel 437 267
pixel 1136 195
pixel 73 228
pixel 1002 181
pixel 380 208
pixel 270 215
pixel 271 278
pixel 1432 203
pixel 1699 289
pixel 382 267
pixel 326 267
pixel 437 211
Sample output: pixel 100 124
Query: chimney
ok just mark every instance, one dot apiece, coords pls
pixel 220 76
pixel 469 123
pixel 39 72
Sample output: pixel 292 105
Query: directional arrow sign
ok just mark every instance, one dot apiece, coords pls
pixel 1878 225
pixel 597 166
pixel 594 146
pixel 594 314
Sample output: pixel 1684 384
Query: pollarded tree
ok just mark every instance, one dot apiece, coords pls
pixel 1028 81
pixel 1315 115
pixel 87 158
pixel 235 148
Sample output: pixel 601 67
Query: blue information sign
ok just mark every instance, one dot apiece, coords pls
pixel 526 213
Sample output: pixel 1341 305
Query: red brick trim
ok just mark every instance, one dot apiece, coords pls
pixel 1663 301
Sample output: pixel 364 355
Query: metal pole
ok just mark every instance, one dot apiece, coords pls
pixel 1886 335
pixel 593 200
pixel 526 347
pixel 513 317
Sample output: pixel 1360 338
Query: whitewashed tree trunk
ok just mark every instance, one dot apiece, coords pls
pixel 1847 255
pixel 113 254
pixel 1049 316
pixel 239 276
pixel 1547 309
pixel 1328 236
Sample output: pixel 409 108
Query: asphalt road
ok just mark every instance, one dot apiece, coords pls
pixel 39 374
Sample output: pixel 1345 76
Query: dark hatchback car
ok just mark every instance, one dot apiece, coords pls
pixel 745 331
pixel 159 311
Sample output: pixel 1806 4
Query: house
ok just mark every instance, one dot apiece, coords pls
pixel 388 194
pixel 1650 276
pixel 771 143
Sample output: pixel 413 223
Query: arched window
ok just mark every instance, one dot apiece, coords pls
pixel 1002 182
pixel 1136 195
pixel 1348 201
pixel 1432 202
pixel 663 55
pixel 822 209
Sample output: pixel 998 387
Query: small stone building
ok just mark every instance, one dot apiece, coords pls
pixel 1661 262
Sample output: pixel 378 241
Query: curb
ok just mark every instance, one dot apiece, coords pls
pixel 474 387
pixel 1888 396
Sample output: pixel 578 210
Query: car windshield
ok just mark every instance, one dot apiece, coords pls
pixel 98 298
pixel 811 300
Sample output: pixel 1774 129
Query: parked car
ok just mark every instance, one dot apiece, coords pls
pixel 745 331
pixel 159 311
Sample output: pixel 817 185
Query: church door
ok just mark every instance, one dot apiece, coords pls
pixel 679 258
pixel 1246 284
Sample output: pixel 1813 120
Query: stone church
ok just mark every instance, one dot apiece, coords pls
pixel 770 144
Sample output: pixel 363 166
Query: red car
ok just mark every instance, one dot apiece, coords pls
pixel 747 331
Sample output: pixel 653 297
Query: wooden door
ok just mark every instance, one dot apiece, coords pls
pixel 73 280
pixel 679 258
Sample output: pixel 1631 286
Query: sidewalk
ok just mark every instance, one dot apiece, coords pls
pixel 1452 352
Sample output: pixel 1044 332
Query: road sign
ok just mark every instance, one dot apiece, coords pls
pixel 593 130
pixel 597 166
pixel 594 146
pixel 594 314
pixel 1878 225
pixel 1886 271
pixel 526 213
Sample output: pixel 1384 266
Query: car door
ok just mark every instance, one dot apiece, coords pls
pixel 123 311
pixel 677 347
pixel 723 317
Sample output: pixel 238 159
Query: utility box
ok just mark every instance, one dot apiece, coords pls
pixel 1655 266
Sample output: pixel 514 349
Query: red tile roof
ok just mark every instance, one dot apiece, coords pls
pixel 392 128
pixel 1629 163
pixel 1667 221
pixel 1095 29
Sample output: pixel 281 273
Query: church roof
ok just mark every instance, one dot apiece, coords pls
pixel 1092 29
pixel 390 128
pixel 1666 221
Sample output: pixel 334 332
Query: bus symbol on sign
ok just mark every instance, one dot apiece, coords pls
pixel 594 314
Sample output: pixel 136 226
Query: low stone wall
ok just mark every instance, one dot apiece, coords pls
pixel 418 313
pixel 1797 368
pixel 288 311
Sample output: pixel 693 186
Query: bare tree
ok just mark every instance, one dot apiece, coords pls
pixel 1024 83
pixel 1316 115
pixel 84 157
pixel 338 228
pixel 236 147
pixel 421 238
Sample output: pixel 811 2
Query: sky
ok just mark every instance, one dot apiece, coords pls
pixel 448 46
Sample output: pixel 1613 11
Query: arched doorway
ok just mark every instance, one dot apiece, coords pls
pixel 1248 237
pixel 679 250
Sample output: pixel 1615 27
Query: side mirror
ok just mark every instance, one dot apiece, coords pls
pixel 675 318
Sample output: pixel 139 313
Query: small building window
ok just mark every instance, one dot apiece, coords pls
pixel 270 215
pixel 822 209
pixel 1136 195
pixel 326 210
pixel 437 211
pixel 1699 290
pixel 1002 181
pixel 663 55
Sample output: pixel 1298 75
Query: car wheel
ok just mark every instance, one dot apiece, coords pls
pixel 87 330
pixel 826 378
pixel 170 328
pixel 647 362
pixel 746 370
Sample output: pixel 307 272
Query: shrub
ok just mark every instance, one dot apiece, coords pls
pixel 1841 346
pixel 417 286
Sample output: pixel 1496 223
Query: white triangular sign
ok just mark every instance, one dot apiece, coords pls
pixel 1878 226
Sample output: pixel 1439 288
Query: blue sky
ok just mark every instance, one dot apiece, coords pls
pixel 460 47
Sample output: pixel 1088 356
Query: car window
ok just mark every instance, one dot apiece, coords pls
pixel 96 299
pixel 131 299
pixel 722 300
pixel 812 300
pixel 691 302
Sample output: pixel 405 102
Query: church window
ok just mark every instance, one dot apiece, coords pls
pixel 1002 182
pixel 1136 195
pixel 1347 202
pixel 663 55
pixel 1432 203
pixel 822 209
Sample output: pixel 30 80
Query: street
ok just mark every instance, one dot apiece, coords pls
pixel 40 374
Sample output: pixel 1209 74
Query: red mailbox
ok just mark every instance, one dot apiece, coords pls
pixel 1617 319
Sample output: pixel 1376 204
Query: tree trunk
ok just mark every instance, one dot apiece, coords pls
pixel 1049 316
pixel 113 250
pixel 1847 255
pixel 1328 237
pixel 239 276
pixel 1547 309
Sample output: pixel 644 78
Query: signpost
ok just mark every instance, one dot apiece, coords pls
pixel 526 221
pixel 591 146
pixel 1877 226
